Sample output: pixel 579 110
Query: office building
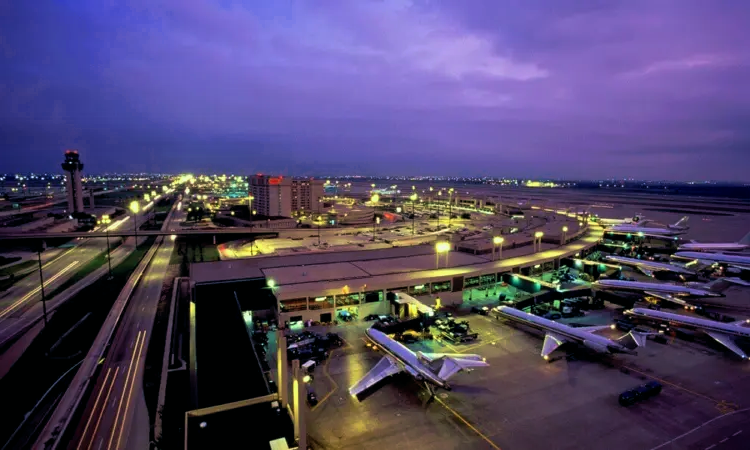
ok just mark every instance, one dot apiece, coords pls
pixel 272 196
pixel 306 194
pixel 73 186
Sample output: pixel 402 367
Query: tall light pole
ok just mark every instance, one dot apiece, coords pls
pixel 450 206
pixel 497 240
pixel 42 247
pixel 441 247
pixel 373 200
pixel 538 236
pixel 564 235
pixel 106 221
pixel 413 198
pixel 319 202
pixel 437 208
pixel 134 208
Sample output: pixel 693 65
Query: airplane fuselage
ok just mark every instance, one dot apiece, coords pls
pixel 641 286
pixel 693 322
pixel 720 258
pixel 407 358
pixel 708 247
pixel 651 265
pixel 634 229
pixel 570 333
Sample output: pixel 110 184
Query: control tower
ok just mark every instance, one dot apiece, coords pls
pixel 73 185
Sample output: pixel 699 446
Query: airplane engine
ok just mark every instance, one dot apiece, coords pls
pixel 596 347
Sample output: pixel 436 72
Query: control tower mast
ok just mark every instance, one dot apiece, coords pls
pixel 73 185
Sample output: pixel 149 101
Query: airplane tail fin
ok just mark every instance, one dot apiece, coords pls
pixel 719 285
pixel 682 223
pixel 639 337
pixel 745 240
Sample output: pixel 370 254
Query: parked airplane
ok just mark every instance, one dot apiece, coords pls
pixel 673 293
pixel 742 244
pixel 434 369
pixel 557 334
pixel 679 227
pixel 737 261
pixel 637 219
pixel 723 333
pixel 649 268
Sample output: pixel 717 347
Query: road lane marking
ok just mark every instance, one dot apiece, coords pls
pixel 34 291
pixel 132 385
pixel 737 433
pixel 124 390
pixel 101 412
pixel 723 440
pixel 466 422
pixel 700 426
pixel 710 447
pixel 96 402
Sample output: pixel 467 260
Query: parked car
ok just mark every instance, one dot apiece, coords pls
pixel 552 315
pixel 643 392
pixel 481 310
pixel 312 399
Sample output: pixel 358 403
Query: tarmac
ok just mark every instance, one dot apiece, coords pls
pixel 524 402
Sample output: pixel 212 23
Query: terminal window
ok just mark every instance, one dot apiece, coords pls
pixel 294 304
pixel 440 286
pixel 322 302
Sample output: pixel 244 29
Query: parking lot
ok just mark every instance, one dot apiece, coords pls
pixel 521 401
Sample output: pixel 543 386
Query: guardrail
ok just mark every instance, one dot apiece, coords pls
pixel 69 404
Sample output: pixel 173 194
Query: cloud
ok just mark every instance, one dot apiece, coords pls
pixel 522 87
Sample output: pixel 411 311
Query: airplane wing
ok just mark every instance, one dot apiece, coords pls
pixel 738 281
pixel 666 297
pixel 452 366
pixel 594 328
pixel 551 342
pixel 435 356
pixel 727 342
pixel 386 367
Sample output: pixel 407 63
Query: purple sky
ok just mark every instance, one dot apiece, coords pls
pixel 526 88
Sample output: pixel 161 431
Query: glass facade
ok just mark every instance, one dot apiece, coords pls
pixel 347 299
pixel 323 302
pixel 373 296
pixel 295 304
pixel 441 286
pixel 420 289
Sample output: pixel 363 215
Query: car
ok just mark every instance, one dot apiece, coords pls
pixel 481 310
pixel 624 325
pixel 552 315
pixel 312 399
pixel 642 392
pixel 371 317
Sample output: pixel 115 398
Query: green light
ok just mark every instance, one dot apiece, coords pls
pixel 271 283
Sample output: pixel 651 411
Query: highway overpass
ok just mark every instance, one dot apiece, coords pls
pixel 244 232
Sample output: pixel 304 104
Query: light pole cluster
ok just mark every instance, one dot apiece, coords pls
pixel 538 241
pixel 442 247
pixel 105 220
pixel 413 198
pixel 134 208
pixel 497 240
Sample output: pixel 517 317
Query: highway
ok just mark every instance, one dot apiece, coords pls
pixel 128 232
pixel 115 415
pixel 22 302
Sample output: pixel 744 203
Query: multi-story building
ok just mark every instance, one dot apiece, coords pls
pixel 272 196
pixel 306 193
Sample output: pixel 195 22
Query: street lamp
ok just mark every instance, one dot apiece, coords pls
pixel 538 236
pixel 497 240
pixel 564 235
pixel 441 247
pixel 134 208
pixel 413 198
pixel 106 221
pixel 437 208
pixel 450 206
pixel 41 248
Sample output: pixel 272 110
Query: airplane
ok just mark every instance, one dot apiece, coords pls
pixel 671 230
pixel 557 334
pixel 649 268
pixel 637 219
pixel 723 333
pixel 434 369
pixel 737 261
pixel 742 244
pixel 673 293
